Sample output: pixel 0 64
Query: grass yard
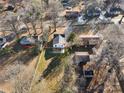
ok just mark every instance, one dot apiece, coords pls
pixel 51 72
pixel 41 65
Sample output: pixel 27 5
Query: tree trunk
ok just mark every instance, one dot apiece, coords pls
pixel 14 29
pixel 33 25
pixel 28 29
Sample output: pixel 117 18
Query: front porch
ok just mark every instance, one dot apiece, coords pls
pixel 58 50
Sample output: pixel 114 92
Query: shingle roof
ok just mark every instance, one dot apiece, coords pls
pixel 59 40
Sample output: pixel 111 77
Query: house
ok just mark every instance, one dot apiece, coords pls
pixel 59 43
pixel 81 57
pixel 89 39
pixel 27 42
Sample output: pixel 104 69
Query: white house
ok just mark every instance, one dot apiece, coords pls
pixel 59 44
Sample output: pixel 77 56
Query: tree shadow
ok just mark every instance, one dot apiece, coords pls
pixel 26 58
pixel 52 66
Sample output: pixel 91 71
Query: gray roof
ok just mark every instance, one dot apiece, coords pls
pixel 59 40
pixel 27 40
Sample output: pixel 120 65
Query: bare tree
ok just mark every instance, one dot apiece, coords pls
pixel 22 82
pixel 11 21
pixel 54 9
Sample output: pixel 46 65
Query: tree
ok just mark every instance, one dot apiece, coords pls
pixel 112 51
pixel 11 21
pixel 22 81
pixel 54 9
pixel 32 13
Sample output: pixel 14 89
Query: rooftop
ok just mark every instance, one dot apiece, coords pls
pixel 81 53
pixel 89 36
pixel 59 39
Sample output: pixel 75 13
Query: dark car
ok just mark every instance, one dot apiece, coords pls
pixel 72 15
pixel 113 12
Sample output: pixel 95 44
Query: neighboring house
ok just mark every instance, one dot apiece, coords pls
pixel 81 57
pixel 27 42
pixel 59 43
pixel 89 40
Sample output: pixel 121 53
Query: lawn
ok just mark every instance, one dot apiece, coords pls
pixel 40 67
pixel 52 73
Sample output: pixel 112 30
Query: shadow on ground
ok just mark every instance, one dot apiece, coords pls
pixel 55 63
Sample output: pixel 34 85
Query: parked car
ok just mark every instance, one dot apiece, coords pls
pixel 3 42
pixel 72 15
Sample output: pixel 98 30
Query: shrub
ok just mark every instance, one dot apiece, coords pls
pixel 6 51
